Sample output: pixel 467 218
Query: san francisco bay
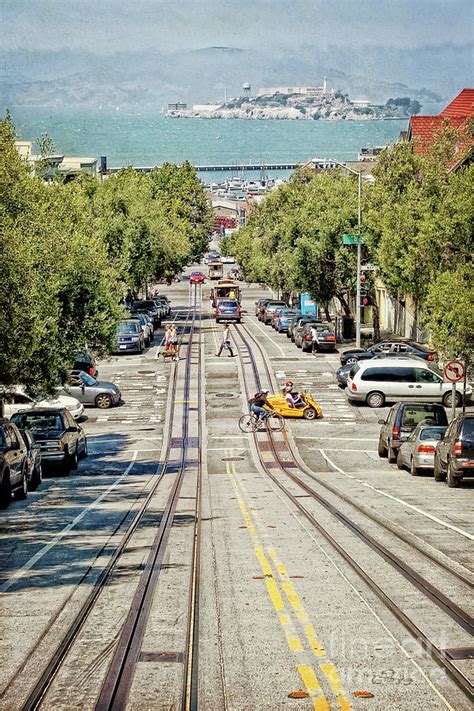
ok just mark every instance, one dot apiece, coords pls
pixel 148 139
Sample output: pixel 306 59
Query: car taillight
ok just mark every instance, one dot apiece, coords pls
pixel 330 338
pixel 218 310
pixel 425 448
pixel 308 337
pixel 91 371
pixel 353 386
pixel 395 433
pixel 458 448
pixel 430 357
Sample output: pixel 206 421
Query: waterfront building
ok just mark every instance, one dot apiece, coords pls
pixel 178 106
pixel 317 91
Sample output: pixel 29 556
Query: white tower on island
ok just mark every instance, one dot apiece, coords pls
pixel 246 90
pixel 325 84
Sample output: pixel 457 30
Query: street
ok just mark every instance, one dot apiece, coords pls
pixel 186 564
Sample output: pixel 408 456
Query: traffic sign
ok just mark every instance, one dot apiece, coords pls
pixel 454 371
pixel 352 239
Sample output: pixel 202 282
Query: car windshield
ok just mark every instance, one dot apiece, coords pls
pixel 38 422
pixel 228 304
pixel 468 428
pixel 196 274
pixel 88 379
pixel 432 433
pixel 127 327
pixel 419 346
pixel 285 312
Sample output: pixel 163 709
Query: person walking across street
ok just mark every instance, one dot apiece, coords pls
pixel 226 342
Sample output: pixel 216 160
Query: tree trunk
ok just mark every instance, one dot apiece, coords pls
pixel 344 304
pixel 376 320
pixel 326 311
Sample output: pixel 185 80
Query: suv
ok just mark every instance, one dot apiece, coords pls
pixel 270 308
pixel 13 464
pixel 84 360
pixel 376 381
pixel 454 454
pixel 62 441
pixel 130 337
pixel 401 420
pixel 228 310
pixel 146 324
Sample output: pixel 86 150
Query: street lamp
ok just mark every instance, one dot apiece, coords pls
pixel 359 221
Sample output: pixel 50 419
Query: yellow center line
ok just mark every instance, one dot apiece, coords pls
pixel 335 683
pixel 309 678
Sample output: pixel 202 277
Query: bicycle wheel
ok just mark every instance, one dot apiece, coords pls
pixel 275 422
pixel 248 423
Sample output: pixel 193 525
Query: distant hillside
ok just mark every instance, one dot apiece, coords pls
pixel 150 79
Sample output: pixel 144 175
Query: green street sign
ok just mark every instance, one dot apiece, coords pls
pixel 352 239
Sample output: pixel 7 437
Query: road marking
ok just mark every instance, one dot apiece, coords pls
pixel 21 572
pixel 313 687
pixel 339 439
pixel 255 323
pixel 336 685
pixel 400 501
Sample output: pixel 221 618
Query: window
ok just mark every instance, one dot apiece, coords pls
pixel 467 429
pixel 432 433
pixel 416 414
pixel 21 399
pixel 391 375
pixel 426 376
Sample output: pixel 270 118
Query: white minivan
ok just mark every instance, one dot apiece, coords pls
pixel 394 379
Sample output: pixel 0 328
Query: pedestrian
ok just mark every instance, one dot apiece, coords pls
pixel 174 341
pixel 226 342
pixel 314 340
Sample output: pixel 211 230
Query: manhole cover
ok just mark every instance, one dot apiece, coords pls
pixel 224 394
pixel 233 459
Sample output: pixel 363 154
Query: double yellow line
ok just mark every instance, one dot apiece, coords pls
pixel 290 609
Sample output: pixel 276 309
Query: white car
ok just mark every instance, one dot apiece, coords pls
pixel 400 380
pixel 16 399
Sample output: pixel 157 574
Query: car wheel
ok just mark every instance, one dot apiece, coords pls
pixel 453 480
pixel 414 471
pixel 74 460
pixel 5 490
pixel 375 399
pixel 350 361
pixel 438 473
pixel 391 455
pixel 448 399
pixel 400 464
pixel 309 413
pixel 66 465
pixel 37 477
pixel 85 451
pixel 103 401
pixel 22 492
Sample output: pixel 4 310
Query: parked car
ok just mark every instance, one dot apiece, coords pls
pixel 15 399
pixel 163 301
pixel 344 370
pixel 295 326
pixel 402 419
pixel 13 464
pixel 85 360
pixel 197 278
pixel 325 337
pixel 303 334
pixel 129 338
pixel 34 466
pixel 92 392
pixel 269 310
pixel 62 441
pixel 228 310
pixel 392 379
pixel 284 318
pixel 276 314
pixel 260 307
pixel 149 306
pixel 146 325
pixel 417 451
pixel 389 346
pixel 454 456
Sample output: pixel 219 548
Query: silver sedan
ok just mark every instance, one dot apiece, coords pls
pixel 417 451
pixel 92 392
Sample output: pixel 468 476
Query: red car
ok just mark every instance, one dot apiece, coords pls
pixel 196 278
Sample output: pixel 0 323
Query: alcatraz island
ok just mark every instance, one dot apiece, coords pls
pixel 299 103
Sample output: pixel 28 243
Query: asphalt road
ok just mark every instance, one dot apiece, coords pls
pixel 283 619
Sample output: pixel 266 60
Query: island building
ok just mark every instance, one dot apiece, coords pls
pixel 177 106
pixel 206 107
pixel 317 91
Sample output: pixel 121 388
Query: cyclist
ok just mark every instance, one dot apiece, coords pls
pixel 293 399
pixel 257 405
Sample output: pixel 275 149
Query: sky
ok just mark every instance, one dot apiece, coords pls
pixel 109 26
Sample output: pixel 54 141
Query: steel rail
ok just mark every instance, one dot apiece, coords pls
pixel 462 618
pixel 49 673
pixel 119 678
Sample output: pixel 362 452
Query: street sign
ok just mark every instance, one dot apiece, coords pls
pixel 352 239
pixel 454 371
pixel 369 268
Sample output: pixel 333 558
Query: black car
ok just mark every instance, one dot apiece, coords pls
pixel 35 471
pixel 393 346
pixel 295 327
pixel 84 360
pixel 61 439
pixel 129 337
pixel 13 464
pixel 402 419
pixel 151 308
pixel 454 456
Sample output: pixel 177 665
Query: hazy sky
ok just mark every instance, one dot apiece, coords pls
pixel 105 26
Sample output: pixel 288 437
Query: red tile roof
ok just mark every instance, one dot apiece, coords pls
pixel 462 105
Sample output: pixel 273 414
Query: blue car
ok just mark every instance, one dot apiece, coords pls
pixel 228 310
pixel 282 319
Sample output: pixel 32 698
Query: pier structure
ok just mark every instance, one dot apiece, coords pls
pixel 315 163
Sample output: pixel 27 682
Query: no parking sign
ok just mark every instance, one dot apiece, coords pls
pixel 454 371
